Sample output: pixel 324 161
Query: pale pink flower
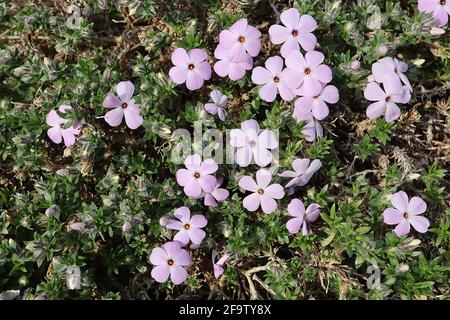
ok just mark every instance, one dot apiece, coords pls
pixel 170 259
pixel 189 228
pixel 263 193
pixel 317 104
pixel 304 169
pixel 274 79
pixel 58 132
pixel 218 266
pixel 218 105
pixel 312 128
pixel 233 64
pixel 297 30
pixel 216 195
pixel 123 105
pixel 391 71
pixel 406 213
pixel 197 176
pixel 190 67
pixel 241 37
pixel 253 144
pixel 296 209
pixel 313 74
pixel 385 100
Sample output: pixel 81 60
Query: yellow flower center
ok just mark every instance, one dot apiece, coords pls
pixel 170 262
pixel 197 175
pixel 187 226
pixel 261 191
pixel 241 39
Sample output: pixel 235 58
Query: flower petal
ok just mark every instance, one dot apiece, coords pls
pixel 183 214
pixel 160 273
pixel 376 109
pixel 416 206
pixel 53 119
pixel 275 191
pixel 111 101
pixel 114 117
pixel 55 134
pixel 400 201
pixel 251 202
pixel 293 225
pixel 125 90
pixel 402 228
pixel 132 118
pixel 178 274
pixel 392 216
pixel 278 34
pixel 197 236
pixel 267 139
pixel 158 256
pixel 180 57
pixel 296 208
pixel 268 204
pixel 290 17
pixel 247 183
pixel 244 156
pixel 172 249
pixel 208 166
pixel 198 221
pixel 421 224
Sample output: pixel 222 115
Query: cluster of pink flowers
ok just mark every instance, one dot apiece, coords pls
pixel 122 105
pixel 298 75
pixel 388 72
pixel 439 9
pixel 235 51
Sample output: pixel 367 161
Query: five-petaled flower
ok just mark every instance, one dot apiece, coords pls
pixel 233 64
pixel 189 228
pixel 263 193
pixel 274 79
pixel 385 100
pixel 58 132
pixel 241 37
pixel 297 30
pixel 253 144
pixel 391 71
pixel 123 105
pixel 312 73
pixel 440 10
pixel 197 176
pixel 296 209
pixel 170 260
pixel 218 105
pixel 216 195
pixel 304 169
pixel 406 213
pixel 190 67
pixel 317 104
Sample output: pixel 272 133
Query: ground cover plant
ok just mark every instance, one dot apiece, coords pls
pixel 333 180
